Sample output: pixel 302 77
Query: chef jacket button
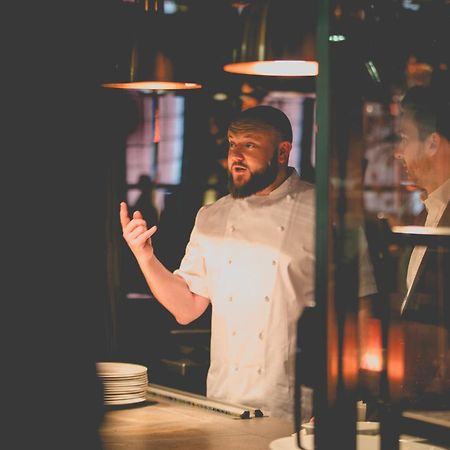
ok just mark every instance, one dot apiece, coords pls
pixel 230 298
pixel 274 262
pixel 266 298
pixel 259 370
pixel 261 336
pixel 229 261
pixel 281 228
pixel 236 368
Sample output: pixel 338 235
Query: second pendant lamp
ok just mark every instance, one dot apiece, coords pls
pixel 277 39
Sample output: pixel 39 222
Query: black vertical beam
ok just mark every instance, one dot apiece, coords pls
pixel 321 389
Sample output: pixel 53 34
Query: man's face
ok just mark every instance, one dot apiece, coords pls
pixel 412 151
pixel 252 161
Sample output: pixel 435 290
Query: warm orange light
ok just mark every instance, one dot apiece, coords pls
pixel 396 361
pixel 278 68
pixel 371 362
pixel 332 347
pixel 350 353
pixel 152 86
pixel 372 351
pixel 157 127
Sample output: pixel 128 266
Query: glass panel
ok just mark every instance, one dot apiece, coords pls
pixel 389 214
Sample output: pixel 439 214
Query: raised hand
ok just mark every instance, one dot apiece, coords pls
pixel 136 233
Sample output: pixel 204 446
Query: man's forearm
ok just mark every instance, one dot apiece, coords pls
pixel 172 291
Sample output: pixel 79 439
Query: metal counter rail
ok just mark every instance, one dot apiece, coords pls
pixel 233 409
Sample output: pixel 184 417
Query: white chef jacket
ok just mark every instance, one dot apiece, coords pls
pixel 254 258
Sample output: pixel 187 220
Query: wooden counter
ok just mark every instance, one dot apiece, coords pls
pixel 161 424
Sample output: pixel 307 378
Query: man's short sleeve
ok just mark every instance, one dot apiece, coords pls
pixel 193 266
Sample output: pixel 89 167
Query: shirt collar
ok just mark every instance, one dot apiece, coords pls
pixel 439 197
pixel 288 186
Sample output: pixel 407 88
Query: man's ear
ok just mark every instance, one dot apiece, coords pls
pixel 432 143
pixel 283 152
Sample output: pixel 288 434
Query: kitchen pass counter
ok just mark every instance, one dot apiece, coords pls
pixel 164 424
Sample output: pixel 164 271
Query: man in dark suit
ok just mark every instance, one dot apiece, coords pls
pixel 425 151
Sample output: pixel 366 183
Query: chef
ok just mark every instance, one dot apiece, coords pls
pixel 251 256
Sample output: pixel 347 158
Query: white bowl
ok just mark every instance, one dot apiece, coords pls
pixel 361 427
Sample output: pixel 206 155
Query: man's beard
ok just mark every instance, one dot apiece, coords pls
pixel 257 182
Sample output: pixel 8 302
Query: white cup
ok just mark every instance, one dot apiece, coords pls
pixel 361 409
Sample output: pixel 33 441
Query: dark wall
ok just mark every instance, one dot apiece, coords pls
pixel 53 247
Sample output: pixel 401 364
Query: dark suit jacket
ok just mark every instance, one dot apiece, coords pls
pixel 426 327
pixel 428 300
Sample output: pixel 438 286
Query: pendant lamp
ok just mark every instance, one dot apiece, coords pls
pixel 148 57
pixel 277 39
pixel 147 54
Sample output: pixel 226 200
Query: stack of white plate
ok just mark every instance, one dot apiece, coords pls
pixel 123 383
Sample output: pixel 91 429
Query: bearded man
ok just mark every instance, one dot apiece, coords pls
pixel 251 254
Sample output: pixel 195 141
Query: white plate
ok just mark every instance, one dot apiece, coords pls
pixel 363 442
pixel 290 443
pixel 128 401
pixel 119 397
pixel 117 369
pixel 110 389
pixel 361 427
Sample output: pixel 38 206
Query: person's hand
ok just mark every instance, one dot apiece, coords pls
pixel 135 232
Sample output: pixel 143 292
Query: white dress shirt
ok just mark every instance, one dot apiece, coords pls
pixel 435 204
pixel 254 258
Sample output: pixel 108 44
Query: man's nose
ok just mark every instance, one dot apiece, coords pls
pixel 237 154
